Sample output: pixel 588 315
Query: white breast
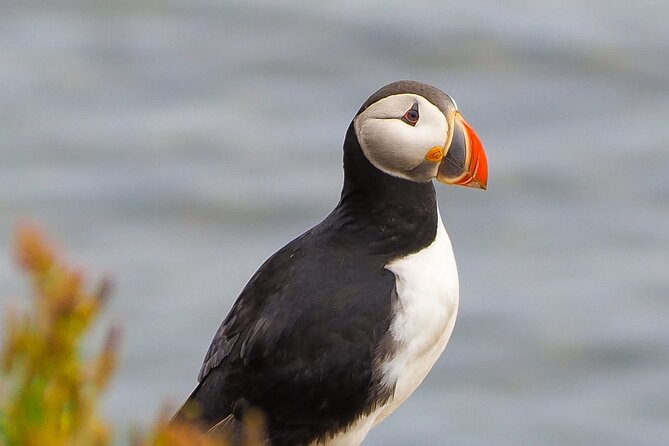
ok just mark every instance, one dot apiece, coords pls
pixel 428 292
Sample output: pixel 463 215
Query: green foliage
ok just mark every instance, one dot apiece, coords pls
pixel 50 393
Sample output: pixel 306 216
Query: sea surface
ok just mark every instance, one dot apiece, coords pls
pixel 174 145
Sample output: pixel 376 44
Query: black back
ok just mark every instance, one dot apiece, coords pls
pixel 303 340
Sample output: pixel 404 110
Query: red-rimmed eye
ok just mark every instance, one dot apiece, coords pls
pixel 411 116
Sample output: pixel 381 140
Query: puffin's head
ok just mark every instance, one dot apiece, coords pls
pixel 415 131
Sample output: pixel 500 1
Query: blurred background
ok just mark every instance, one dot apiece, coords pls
pixel 176 144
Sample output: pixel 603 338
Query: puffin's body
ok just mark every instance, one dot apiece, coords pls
pixel 340 326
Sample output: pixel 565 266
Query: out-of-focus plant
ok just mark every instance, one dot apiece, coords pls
pixel 50 393
pixel 185 434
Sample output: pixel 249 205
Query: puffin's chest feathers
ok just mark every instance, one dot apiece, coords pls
pixel 424 315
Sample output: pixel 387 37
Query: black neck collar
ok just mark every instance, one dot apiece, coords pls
pixel 393 216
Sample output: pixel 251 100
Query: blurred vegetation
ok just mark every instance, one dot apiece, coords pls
pixel 49 392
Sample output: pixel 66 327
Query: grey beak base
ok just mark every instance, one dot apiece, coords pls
pixel 453 167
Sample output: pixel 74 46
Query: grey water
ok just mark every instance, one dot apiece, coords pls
pixel 175 145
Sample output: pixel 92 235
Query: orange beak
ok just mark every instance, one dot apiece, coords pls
pixel 464 161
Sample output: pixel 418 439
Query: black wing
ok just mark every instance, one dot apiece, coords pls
pixel 301 341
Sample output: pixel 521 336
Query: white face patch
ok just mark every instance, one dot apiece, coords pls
pixel 397 147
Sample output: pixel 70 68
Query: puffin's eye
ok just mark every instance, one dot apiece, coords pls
pixel 411 116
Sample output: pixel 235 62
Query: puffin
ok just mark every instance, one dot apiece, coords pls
pixel 339 327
